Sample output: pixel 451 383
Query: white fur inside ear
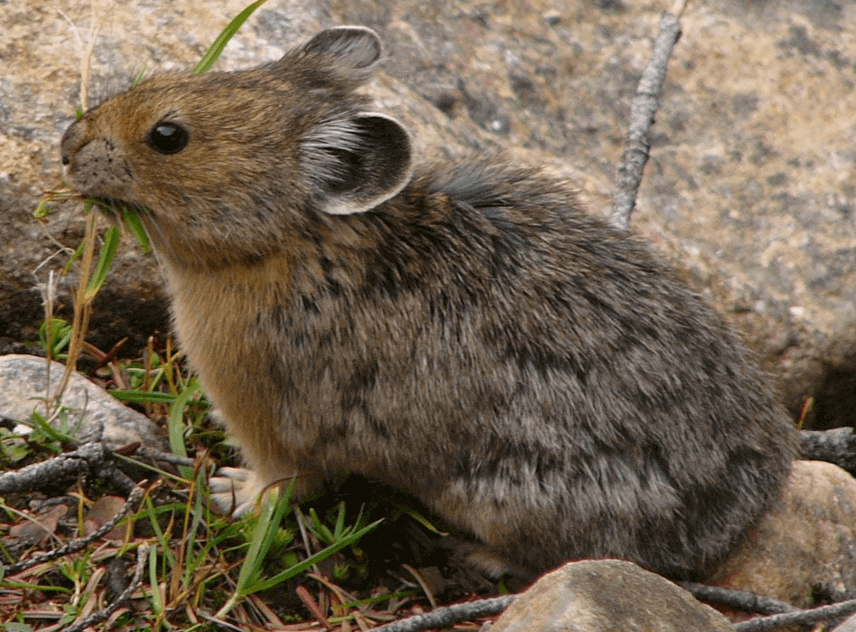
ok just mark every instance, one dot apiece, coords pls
pixel 323 148
pixel 355 163
pixel 343 207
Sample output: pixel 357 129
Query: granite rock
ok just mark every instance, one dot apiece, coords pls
pixel 804 548
pixel 750 187
pixel 597 595
pixel 87 409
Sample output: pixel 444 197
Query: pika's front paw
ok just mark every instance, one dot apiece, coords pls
pixel 234 490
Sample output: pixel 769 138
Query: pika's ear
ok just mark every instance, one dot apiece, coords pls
pixel 356 163
pixel 355 48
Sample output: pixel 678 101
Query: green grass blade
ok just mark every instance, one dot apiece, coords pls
pixel 214 51
pixel 252 566
pixel 274 508
pixel 39 422
pixel 282 500
pixel 77 255
pixel 132 221
pixel 195 561
pixel 42 210
pixel 60 335
pixel 418 517
pixel 105 258
pixel 254 559
pixel 340 521
pixel 140 397
pixel 318 557
pixel 151 513
pixel 139 76
pixel 320 529
pixel 176 424
pixel 157 600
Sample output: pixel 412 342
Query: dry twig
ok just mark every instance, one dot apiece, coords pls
pixel 835 446
pixel 82 302
pixel 150 454
pixel 811 616
pixel 642 118
pixel 449 615
pixel 103 615
pixel 85 458
pixel 79 544
pixel 742 600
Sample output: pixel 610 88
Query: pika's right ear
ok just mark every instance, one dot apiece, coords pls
pixel 355 163
pixel 355 48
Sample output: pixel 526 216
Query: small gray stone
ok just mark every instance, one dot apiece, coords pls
pixel 597 595
pixel 807 541
pixel 23 384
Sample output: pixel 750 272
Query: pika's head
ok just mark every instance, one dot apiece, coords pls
pixel 232 158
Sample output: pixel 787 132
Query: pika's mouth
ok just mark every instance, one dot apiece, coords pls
pixel 113 208
pixel 126 216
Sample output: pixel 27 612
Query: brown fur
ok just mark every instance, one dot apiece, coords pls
pixel 467 333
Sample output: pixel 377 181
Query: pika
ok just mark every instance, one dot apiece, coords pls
pixel 467 333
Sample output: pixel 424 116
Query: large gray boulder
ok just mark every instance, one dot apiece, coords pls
pixel 750 186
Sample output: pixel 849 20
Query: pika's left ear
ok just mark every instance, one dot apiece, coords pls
pixel 356 48
pixel 358 162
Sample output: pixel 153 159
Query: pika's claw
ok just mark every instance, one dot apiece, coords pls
pixel 234 490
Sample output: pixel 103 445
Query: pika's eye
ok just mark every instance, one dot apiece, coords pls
pixel 168 138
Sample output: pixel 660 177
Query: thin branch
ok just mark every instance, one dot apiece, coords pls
pixel 96 19
pixel 449 615
pixel 150 454
pixel 79 544
pixel 117 478
pixel 641 119
pixel 835 446
pixel 803 617
pixel 48 295
pixel 219 622
pixel 301 524
pixel 742 600
pixel 83 459
pixel 309 601
pixel 102 615
pixel 423 584
pixel 82 304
